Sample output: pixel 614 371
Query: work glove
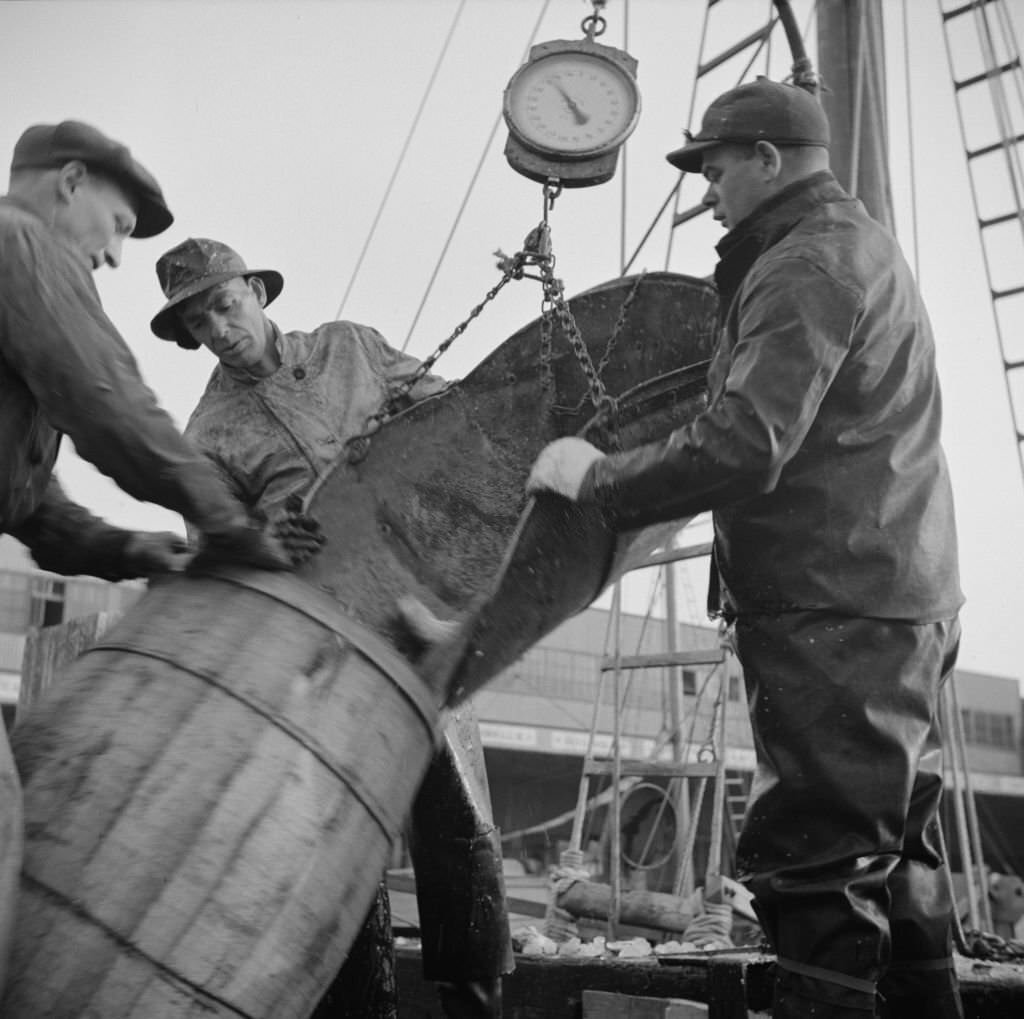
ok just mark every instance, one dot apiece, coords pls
pixel 149 552
pixel 298 532
pixel 561 467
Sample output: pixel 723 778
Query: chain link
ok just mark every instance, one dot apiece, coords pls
pixel 358 446
pixel 535 254
pixel 609 349
pixel 708 751
pixel 594 24
pixel 620 323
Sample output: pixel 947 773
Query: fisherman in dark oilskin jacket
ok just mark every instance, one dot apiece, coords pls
pixel 836 559
pixel 275 418
pixel 74 196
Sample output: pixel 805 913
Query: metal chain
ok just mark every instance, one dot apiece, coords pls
pixel 594 24
pixel 708 749
pixel 555 297
pixel 613 338
pixel 536 253
pixel 620 323
pixel 357 446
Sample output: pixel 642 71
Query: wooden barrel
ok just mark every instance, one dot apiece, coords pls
pixel 209 797
pixel 10 846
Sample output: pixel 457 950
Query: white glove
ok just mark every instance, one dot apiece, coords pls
pixel 562 466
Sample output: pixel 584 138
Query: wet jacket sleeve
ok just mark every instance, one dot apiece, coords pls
pixel 794 330
pixel 66 538
pixel 397 367
pixel 87 384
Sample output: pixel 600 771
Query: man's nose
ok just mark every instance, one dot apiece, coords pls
pixel 709 197
pixel 112 252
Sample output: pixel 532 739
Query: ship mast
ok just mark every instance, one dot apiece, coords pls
pixel 851 57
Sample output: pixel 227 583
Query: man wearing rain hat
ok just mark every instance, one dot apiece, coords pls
pixel 314 391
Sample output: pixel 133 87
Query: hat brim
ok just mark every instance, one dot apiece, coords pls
pixel 151 218
pixel 165 322
pixel 690 158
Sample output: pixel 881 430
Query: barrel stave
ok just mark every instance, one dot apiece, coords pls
pixel 210 835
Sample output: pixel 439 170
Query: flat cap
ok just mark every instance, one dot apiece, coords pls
pixel 44 146
pixel 761 110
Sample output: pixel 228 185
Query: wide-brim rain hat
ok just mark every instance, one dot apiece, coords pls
pixel 195 265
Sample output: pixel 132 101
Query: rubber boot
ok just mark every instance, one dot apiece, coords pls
pixel 460 887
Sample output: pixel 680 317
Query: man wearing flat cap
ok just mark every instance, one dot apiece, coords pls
pixel 74 196
pixel 835 559
pixel 276 415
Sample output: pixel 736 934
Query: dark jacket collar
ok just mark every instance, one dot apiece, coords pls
pixel 767 225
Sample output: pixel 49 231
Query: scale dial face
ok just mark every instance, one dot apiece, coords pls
pixel 572 104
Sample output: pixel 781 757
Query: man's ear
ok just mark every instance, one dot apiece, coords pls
pixel 70 178
pixel 770 159
pixel 257 286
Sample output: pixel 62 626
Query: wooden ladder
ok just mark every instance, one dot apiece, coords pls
pixel 711 762
pixel 988 82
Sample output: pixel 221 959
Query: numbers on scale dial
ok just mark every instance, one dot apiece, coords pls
pixel 573 103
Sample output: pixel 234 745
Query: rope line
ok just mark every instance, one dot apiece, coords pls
pixel 469 191
pixel 401 158
pixel 911 154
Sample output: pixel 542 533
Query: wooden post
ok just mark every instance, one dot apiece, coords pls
pixel 48 649
pixel 677 706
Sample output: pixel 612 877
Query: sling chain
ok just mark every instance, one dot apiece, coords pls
pixel 536 253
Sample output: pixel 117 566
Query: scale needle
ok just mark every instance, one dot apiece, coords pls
pixel 577 114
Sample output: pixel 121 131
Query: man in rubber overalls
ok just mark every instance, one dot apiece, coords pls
pixel 835 556
pixel 275 417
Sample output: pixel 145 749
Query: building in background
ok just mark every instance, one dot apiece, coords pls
pixel 30 597
pixel 537 716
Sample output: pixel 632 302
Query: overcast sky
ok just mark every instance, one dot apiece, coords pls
pixel 276 127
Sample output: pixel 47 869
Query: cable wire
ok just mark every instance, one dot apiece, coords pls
pixel 908 89
pixel 469 191
pixel 401 157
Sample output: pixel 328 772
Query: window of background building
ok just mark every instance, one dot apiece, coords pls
pixel 47 601
pixel 690 682
pixel 988 728
pixel 14 601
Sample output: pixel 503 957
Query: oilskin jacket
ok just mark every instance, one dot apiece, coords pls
pixel 819 451
pixel 64 369
pixel 278 436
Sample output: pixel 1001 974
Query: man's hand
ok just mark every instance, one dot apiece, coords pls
pixel 562 466
pixel 244 545
pixel 298 533
pixel 148 552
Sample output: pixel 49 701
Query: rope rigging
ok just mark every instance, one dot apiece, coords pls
pixel 469 191
pixel 401 157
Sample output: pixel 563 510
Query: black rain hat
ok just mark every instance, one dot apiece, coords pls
pixel 761 110
pixel 44 146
